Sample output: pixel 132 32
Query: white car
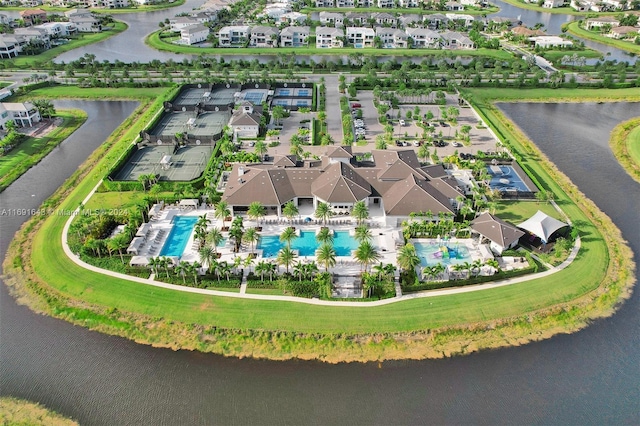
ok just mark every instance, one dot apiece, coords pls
pixel 402 123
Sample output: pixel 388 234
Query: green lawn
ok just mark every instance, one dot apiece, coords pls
pixel 154 41
pixel 467 11
pixel 556 10
pixel 36 61
pixel 120 200
pixel 142 8
pixel 32 150
pixel 574 28
pixel 633 145
pixel 556 56
pixel 519 211
pixel 94 93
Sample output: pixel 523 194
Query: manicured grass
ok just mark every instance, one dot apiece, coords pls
pixel 119 200
pixel 633 145
pixel 555 10
pixel 519 211
pixel 415 10
pixel 556 56
pixel 154 41
pixel 36 61
pixel 561 302
pixel 574 28
pixel 141 8
pixel 93 93
pixel 32 150
pixel 625 145
pixel 14 411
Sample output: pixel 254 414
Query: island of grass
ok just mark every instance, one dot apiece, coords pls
pixel 625 144
pixel 32 149
pixel 592 286
pixel 576 29
pixel 14 411
pixel 154 40
pixel 79 40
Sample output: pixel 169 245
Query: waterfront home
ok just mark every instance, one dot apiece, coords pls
pixel 409 20
pixel 325 3
pixel 366 3
pixel 263 36
pixel 357 19
pixel 77 12
pixel 327 37
pixel 276 10
pixel 194 34
pixel 360 37
pixel 331 18
pixel 205 17
pixel 423 38
pixel 394 187
pixel 436 21
pixel 345 3
pixel 545 42
pixel 459 18
pixel 33 16
pixel 11 45
pixel 454 6
pixel 58 29
pixel 550 4
pixel 294 37
pixel 600 22
pixel 179 22
pixel 409 3
pixel 233 36
pixel 624 32
pixel 385 3
pixel 86 24
pixel 392 38
pixel 34 35
pixel 455 40
pixel 23 114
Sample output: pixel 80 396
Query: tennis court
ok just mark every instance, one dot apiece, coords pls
pixel 255 96
pixel 203 126
pixel 185 164
pixel 223 96
pixel 290 102
pixel 190 97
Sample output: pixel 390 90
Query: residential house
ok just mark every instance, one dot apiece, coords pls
pixel 205 17
pixel 11 45
pixel 86 24
pixel 31 3
pixel 33 16
pixel 388 4
pixel 392 38
pixel 331 18
pixel 624 32
pixel 325 3
pixel 456 40
pixel 357 19
pixel 545 42
pixel 4 19
pixel 396 185
pixel 179 22
pixel 385 19
pixel 294 37
pixel 23 114
pixel 454 6
pixel 35 35
pixel 194 34
pixel 345 3
pixel 526 32
pixel 409 3
pixel 233 36
pixel 462 19
pixel 276 10
pixel 327 37
pixel 409 20
pixel 422 38
pixel 436 21
pixel 366 3
pixel 360 37
pixel 262 36
pixel 58 29
pixel 550 4
pixel 245 122
pixel 469 2
pixel 580 5
pixel 115 4
pixel 293 18
pixel 74 13
pixel 600 22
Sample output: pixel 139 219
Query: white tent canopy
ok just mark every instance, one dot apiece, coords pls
pixel 542 225
pixel 189 202
pixel 144 229
pixel 135 245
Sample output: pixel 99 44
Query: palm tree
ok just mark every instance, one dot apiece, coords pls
pixel 380 271
pixel 323 211
pixel 163 262
pixel 224 268
pixel 326 255
pixel 286 256
pixel 310 269
pixel 261 268
pixel 203 221
pixel 366 254
pixel 252 236
pixel 193 268
pixel 298 269
pixel 360 212
pixel 256 211
pixel 494 264
pixel 260 148
pixel 290 210
pixel 408 258
pixel 271 270
pixel 475 267
pixel 247 262
pixel 363 233
pixel 154 264
pixel 215 237
pixel 182 269
pixel 222 211
pixel 200 234
pixel 207 255
pixel 288 235
pixel 236 233
pixel 325 236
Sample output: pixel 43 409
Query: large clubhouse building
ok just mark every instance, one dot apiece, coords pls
pixel 393 185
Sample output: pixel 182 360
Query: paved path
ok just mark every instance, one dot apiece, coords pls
pixel 241 295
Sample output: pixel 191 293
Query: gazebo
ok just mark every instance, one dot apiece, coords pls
pixel 501 234
pixel 542 225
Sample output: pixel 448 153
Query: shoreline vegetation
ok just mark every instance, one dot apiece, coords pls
pixel 556 10
pixel 153 40
pixel 575 29
pixel 34 149
pixel 625 144
pixel 14 411
pixel 142 8
pixel 600 278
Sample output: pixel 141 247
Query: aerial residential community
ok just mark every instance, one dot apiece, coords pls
pixel 326 180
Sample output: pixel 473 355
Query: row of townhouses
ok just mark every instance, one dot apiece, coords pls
pixel 433 21
pixel 102 4
pixel 587 5
pixel 389 4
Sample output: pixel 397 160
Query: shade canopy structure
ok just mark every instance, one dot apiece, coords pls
pixel 542 225
pixel 143 230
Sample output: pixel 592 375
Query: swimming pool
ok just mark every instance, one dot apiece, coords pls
pixel 343 243
pixel 179 235
pixel 305 244
pixel 505 178
pixel 432 253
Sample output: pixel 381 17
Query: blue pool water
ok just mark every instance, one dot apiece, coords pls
pixel 179 235
pixel 508 179
pixel 344 244
pixel 306 244
pixel 448 254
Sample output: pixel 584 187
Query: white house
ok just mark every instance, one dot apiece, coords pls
pixel 550 4
pixel 601 21
pixel 233 36
pixel 392 38
pixel 262 36
pixel 456 40
pixel 356 19
pixel 384 18
pixel 360 37
pixel 466 20
pixel 423 38
pixel 325 3
pixel 276 10
pixel 345 3
pixel 32 33
pixel 409 19
pixel 245 122
pixel 409 3
pixel 86 24
pixel 23 114
pixel 327 37
pixel 454 6
pixel 550 41
pixel 293 18
pixel 11 45
pixel 387 4
pixel 326 18
pixel 194 34
pixel 58 29
pixel 180 22
pixel 294 37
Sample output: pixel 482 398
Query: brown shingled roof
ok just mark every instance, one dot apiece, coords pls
pixel 341 184
pixel 339 152
pixel 415 195
pixel 495 229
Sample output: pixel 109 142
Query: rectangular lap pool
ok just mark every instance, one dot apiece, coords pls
pixel 432 253
pixel 505 178
pixel 179 235
pixel 343 243
pixel 305 244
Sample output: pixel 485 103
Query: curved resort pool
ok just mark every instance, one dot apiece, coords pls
pixel 432 253
pixel 177 239
pixel 306 244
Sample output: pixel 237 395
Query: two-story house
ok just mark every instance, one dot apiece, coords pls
pixel 392 38
pixel 328 37
pixel 422 38
pixel 294 37
pixel 360 37
pixel 331 18
pixel 194 34
pixel 33 16
pixel 263 36
pixel 233 36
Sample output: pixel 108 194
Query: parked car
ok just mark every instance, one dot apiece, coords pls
pixel 402 122
pixel 443 124
pixel 417 143
pixel 457 144
pixel 398 143
pixel 356 105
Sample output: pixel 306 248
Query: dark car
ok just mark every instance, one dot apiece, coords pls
pixel 398 143
pixel 356 105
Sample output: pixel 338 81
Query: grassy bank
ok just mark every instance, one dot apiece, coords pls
pixel 625 144
pixel 420 328
pixel 140 8
pixel 36 61
pixel 90 93
pixel 14 411
pixel 31 151
pixel 556 56
pixel 556 10
pixel 467 11
pixel 574 28
pixel 154 41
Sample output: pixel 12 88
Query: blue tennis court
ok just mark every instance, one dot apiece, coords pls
pixel 304 92
pixel 254 97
